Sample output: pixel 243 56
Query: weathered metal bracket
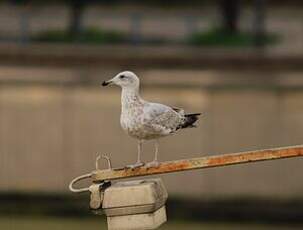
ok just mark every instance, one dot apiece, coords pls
pixel 99 176
pixel 200 163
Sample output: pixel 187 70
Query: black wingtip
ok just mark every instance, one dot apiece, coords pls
pixel 190 120
pixel 193 114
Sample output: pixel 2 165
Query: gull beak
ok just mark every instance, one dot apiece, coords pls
pixel 105 83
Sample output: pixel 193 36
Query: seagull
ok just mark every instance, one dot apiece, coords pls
pixel 145 120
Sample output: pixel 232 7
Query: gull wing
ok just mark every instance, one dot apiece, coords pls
pixel 162 117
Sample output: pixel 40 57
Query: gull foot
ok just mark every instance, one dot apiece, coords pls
pixel 136 165
pixel 152 164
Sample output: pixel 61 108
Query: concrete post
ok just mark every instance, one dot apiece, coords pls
pixel 135 205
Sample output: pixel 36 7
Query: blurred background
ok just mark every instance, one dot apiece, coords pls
pixel 240 63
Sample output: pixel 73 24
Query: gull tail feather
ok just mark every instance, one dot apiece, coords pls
pixel 190 120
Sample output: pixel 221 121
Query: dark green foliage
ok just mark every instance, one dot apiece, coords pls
pixel 90 35
pixel 213 37
pixel 219 37
pixel 19 1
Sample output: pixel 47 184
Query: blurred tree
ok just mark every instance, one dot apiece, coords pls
pixel 259 22
pixel 24 18
pixel 77 8
pixel 230 14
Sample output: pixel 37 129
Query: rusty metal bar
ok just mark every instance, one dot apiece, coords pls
pixel 200 163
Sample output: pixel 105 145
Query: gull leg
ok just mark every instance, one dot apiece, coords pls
pixel 155 162
pixel 139 163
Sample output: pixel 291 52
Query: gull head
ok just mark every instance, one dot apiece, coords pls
pixel 125 79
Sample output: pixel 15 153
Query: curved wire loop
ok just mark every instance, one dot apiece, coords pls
pixel 78 190
pixel 88 175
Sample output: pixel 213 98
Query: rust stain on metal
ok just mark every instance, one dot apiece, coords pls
pixel 202 162
pixel 164 167
pixel 254 156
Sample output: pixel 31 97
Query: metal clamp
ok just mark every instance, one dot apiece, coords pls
pixel 97 194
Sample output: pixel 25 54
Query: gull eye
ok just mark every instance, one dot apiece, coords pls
pixel 122 76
